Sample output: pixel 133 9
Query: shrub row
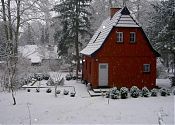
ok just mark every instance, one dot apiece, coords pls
pixel 135 92
pixel 65 92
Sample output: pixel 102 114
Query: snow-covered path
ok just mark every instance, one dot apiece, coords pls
pixel 46 109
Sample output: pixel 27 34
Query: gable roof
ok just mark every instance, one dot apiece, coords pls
pixel 122 18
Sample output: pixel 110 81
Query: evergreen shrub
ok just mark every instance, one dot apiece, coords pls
pixel 145 92
pixel 163 92
pixel 154 92
pixel 115 93
pixel 134 91
pixel 124 92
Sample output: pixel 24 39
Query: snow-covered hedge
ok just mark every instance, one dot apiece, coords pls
pixel 134 91
pixel 154 92
pixel 145 92
pixel 124 92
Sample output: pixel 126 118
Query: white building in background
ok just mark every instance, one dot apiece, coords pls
pixel 38 55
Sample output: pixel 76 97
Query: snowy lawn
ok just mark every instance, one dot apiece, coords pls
pixel 44 108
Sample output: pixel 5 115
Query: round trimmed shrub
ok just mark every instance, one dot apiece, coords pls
pixel 107 95
pixel 58 91
pixel 145 92
pixel 134 91
pixel 115 93
pixel 28 90
pixel 168 92
pixel 72 94
pixel 163 92
pixel 65 92
pixel 154 92
pixel 124 92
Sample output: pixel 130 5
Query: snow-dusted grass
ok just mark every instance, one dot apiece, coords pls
pixel 81 109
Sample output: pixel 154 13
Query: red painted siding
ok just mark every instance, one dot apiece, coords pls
pixel 125 61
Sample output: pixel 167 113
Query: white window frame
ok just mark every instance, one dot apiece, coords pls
pixel 146 67
pixel 132 37
pixel 119 37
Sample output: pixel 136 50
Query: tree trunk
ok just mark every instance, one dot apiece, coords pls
pixel 11 87
pixel 14 100
pixel 76 41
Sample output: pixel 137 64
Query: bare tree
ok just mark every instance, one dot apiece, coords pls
pixel 14 14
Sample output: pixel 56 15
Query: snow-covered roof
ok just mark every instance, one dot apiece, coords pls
pixel 37 53
pixel 36 60
pixel 122 18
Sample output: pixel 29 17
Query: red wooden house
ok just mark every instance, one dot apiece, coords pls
pixel 119 54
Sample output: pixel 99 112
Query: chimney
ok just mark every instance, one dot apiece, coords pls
pixel 113 11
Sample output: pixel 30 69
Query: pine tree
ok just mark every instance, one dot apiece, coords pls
pixel 162 29
pixel 75 18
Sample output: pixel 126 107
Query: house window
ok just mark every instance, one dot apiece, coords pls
pixel 102 66
pixel 132 37
pixel 146 67
pixel 119 37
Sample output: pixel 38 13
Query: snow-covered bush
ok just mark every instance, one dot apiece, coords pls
pixel 124 92
pixel 115 93
pixel 50 82
pixel 168 92
pixel 134 91
pixel 48 90
pixel 68 77
pixel 173 81
pixel 46 76
pixel 107 95
pixel 58 91
pixel 154 92
pixel 173 91
pixel 28 90
pixel 65 92
pixel 72 94
pixel 145 92
pixel 163 92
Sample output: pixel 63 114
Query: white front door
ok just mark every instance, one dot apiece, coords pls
pixel 103 74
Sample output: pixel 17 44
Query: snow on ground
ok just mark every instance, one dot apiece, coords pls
pixel 82 109
pixel 165 83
